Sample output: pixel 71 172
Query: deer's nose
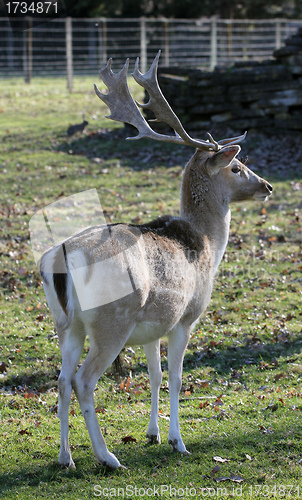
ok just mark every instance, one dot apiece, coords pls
pixel 269 187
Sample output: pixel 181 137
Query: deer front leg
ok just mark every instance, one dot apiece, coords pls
pixel 152 351
pixel 178 340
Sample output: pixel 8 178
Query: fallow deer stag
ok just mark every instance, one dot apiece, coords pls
pixel 170 263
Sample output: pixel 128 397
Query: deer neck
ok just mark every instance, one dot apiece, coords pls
pixel 206 208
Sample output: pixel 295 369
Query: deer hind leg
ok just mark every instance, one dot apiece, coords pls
pixel 104 347
pixel 71 344
pixel 152 351
pixel 177 343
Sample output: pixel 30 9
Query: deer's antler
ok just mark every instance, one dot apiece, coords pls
pixel 124 109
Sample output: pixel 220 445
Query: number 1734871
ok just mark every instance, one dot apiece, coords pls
pixel 32 7
pixel 278 491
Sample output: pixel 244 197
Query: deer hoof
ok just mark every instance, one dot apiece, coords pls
pixel 173 443
pixel 68 466
pixel 178 446
pixel 111 463
pixel 153 438
pixel 66 461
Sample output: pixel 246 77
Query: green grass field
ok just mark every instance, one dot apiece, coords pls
pixel 241 401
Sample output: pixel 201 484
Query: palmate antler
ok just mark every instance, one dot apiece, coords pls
pixel 123 108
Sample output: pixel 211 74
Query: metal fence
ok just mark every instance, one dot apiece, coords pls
pixel 81 46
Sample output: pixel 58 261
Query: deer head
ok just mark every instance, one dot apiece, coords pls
pixel 213 157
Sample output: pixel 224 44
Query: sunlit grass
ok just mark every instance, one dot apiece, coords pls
pixel 241 395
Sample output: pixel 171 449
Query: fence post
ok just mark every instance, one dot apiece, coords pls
pixel 213 60
pixel 10 48
pixel 278 34
pixel 167 42
pixel 143 58
pixel 92 50
pixel 69 68
pixel 27 50
pixel 230 41
pixel 103 41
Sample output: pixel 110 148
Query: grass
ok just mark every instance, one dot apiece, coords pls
pixel 241 398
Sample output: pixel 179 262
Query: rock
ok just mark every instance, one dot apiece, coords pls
pixel 258 95
pixel 222 117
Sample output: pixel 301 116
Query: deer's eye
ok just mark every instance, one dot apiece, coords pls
pixel 236 169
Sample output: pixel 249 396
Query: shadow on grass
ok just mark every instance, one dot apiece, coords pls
pixel 33 381
pixel 112 144
pixel 144 460
pixel 223 360
pixel 33 475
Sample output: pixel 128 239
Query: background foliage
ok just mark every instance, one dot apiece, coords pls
pixel 182 8
pixel 187 8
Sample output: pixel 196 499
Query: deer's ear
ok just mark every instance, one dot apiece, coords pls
pixel 221 159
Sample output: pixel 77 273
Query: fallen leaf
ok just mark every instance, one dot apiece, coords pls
pixel 3 367
pixel 236 478
pixel 165 417
pixel 99 409
pixel 128 439
pixel 203 405
pixel 124 386
pixel 24 431
pixel 218 402
pixel 136 390
pixel 29 395
pixel 278 376
pixel 269 430
pixel 215 470
pixel 232 477
pixel 221 460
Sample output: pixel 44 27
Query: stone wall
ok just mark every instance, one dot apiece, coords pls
pixel 261 96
